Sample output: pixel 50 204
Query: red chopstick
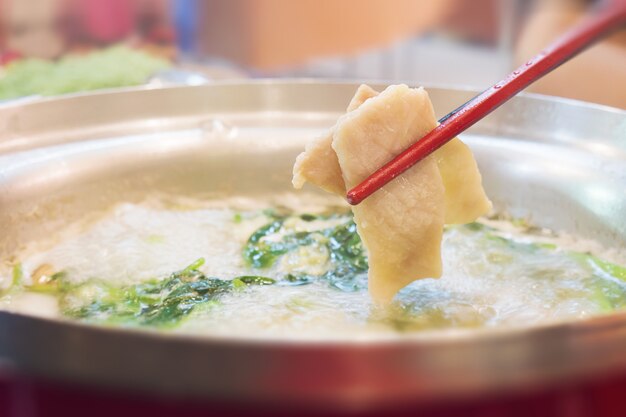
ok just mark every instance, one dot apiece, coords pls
pixel 609 18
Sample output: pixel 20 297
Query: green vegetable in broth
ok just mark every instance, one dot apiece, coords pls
pixel 260 253
pixel 605 267
pixel 348 262
pixel 17 275
pixel 252 280
pixel 297 280
pixel 308 217
pixel 159 303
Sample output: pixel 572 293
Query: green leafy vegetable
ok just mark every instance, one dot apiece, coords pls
pixel 50 286
pixel 294 280
pixel 117 66
pixel 612 269
pixel 277 213
pixel 605 267
pixel 193 266
pixel 253 280
pixel 308 217
pixel 260 253
pixel 606 293
pixel 348 261
pixel 158 303
pixel 17 275
pixel 475 226
pixel 348 257
pixel 345 246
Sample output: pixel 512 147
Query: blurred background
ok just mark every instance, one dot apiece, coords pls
pixel 53 47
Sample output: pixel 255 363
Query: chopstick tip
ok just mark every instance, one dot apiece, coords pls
pixel 353 197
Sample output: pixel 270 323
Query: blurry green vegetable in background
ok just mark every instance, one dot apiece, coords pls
pixel 117 66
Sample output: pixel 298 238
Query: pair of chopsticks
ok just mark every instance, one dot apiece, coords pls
pixel 612 16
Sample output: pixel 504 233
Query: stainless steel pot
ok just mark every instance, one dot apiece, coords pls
pixel 563 163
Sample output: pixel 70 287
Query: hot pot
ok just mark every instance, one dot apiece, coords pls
pixel 561 163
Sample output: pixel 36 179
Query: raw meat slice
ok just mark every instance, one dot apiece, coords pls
pixel 401 225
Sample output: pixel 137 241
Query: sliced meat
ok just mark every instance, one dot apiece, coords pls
pixel 401 225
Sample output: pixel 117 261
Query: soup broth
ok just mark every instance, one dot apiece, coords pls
pixel 294 267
